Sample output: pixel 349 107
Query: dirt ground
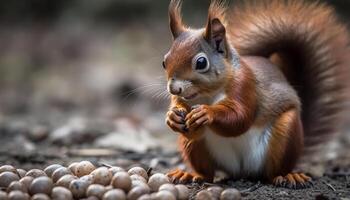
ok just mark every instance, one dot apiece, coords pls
pixel 30 148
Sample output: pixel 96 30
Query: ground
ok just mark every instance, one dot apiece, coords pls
pixel 36 147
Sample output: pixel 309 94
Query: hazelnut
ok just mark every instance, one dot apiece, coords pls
pixel 114 170
pixel 41 184
pixel 17 195
pixel 59 172
pixel 65 180
pixel 204 195
pixel 136 177
pixel 51 168
pixel 6 178
pixel 156 180
pixel 139 171
pixel 165 195
pixel 114 194
pixel 40 197
pixel 215 191
pixel 35 173
pixel 21 172
pixel 84 168
pixel 61 193
pixel 95 190
pixel 101 176
pixel 87 178
pixel 8 168
pixel 16 185
pixel 73 166
pixel 169 187
pixel 122 181
pixel 137 183
pixel 230 194
pixel 145 197
pixel 26 181
pixel 78 188
pixel 183 192
pixel 137 192
pixel 3 195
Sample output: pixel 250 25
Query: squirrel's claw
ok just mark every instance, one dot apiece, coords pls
pixel 293 181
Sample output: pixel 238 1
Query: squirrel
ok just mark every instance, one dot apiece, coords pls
pixel 261 81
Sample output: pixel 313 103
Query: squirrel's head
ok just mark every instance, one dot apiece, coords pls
pixel 199 60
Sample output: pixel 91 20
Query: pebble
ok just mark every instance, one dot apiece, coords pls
pixel 183 192
pixel 61 193
pixel 41 184
pixel 35 173
pixel 122 181
pixel 204 195
pixel 114 194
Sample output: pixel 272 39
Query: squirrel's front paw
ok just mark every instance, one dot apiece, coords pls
pixel 199 116
pixel 175 119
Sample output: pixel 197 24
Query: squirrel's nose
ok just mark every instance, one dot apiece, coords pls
pixel 175 87
pixel 175 91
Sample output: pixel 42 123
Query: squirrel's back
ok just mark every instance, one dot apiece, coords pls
pixel 311 47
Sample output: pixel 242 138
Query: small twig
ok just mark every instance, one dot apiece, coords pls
pixel 149 171
pixel 251 189
pixel 106 165
pixel 330 186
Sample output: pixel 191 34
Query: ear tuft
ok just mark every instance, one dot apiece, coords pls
pixel 175 19
pixel 215 32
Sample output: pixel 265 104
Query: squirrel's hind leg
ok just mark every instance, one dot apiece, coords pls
pixel 286 144
pixel 196 155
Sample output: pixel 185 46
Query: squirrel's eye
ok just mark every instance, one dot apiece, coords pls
pixel 163 63
pixel 202 64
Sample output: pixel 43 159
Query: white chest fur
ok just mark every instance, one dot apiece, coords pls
pixel 239 156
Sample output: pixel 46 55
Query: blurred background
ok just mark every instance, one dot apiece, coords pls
pixel 88 72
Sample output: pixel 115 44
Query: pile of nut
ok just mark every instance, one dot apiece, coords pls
pixel 82 180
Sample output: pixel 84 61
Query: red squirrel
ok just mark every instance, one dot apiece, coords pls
pixel 258 83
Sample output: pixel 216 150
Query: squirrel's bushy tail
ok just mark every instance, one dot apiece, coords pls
pixel 312 48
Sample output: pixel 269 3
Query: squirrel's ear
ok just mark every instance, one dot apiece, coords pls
pixel 215 34
pixel 175 20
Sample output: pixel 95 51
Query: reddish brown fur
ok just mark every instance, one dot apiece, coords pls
pixel 237 112
pixel 307 43
pixel 310 46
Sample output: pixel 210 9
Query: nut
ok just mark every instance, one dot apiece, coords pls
pixel 35 173
pixel 183 192
pixel 41 184
pixel 6 178
pixel 18 195
pixel 122 181
pixel 156 180
pixel 60 172
pixel 16 185
pixel 8 168
pixel 61 193
pixel 101 176
pixel 114 194
pixel 215 191
pixel 136 177
pixel 137 192
pixel 65 180
pixel 139 171
pixel 73 166
pixel 114 170
pixel 40 197
pixel 50 169
pixel 84 168
pixel 169 187
pixel 165 195
pixel 230 194
pixel 204 195
pixel 78 188
pixel 95 190
pixel 26 181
